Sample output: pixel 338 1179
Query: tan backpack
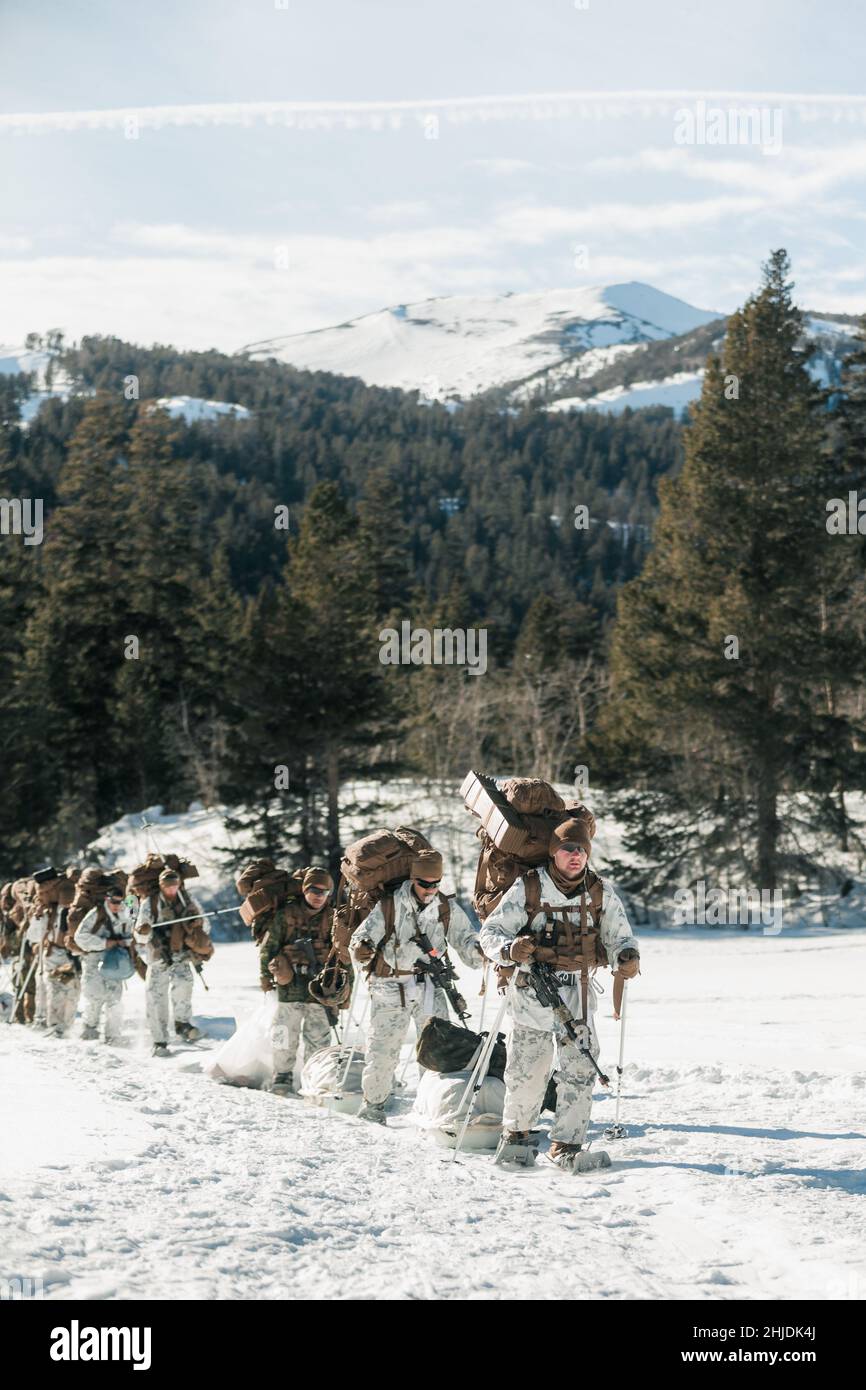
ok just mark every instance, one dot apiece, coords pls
pixel 91 887
pixel 517 818
pixel 144 878
pixel 265 888
pixel 371 868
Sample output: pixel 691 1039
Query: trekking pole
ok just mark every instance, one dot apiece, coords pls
pixel 483 993
pixel 616 1130
pixel 476 1079
pixel 198 970
pixel 355 1033
pixel 23 990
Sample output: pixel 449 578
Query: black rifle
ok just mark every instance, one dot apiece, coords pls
pixel 543 979
pixel 162 940
pixel 443 974
pixel 310 962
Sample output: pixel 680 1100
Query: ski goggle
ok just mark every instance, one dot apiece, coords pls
pixel 428 882
pixel 573 849
pixel 318 890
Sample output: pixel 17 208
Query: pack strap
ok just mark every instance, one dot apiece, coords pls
pixel 444 912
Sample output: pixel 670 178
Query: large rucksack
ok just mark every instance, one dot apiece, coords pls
pixel 24 900
pixel 53 888
pixel 517 818
pixel 144 878
pixel 370 869
pixel 91 886
pixel 265 888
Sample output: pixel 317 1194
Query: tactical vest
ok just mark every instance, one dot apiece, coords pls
pixel 577 943
pixel 297 924
pixel 379 967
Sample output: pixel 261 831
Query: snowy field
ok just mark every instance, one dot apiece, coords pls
pixel 742 1176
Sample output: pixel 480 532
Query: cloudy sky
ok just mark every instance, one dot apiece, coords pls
pixel 216 172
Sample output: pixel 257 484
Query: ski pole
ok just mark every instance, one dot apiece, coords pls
pixel 197 967
pixel 616 1130
pixel 483 993
pixel 476 1079
pixel 357 986
pixel 23 990
pixel 195 917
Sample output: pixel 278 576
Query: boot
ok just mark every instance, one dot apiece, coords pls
pixel 282 1084
pixel 572 1159
pixel 160 1050
pixel 517 1146
pixel 375 1113
pixel 88 1033
pixel 187 1031
pixel 562 1154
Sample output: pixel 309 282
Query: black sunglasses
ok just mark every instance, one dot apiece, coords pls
pixel 428 882
pixel 573 849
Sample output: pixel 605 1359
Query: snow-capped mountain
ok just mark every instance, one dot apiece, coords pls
pixel 461 346
pixel 605 348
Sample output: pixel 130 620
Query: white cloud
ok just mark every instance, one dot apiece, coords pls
pixel 505 168
pixel 536 224
pixel 382 115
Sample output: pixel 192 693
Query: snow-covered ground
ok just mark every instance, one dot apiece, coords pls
pixel 678 392
pixel 742 1175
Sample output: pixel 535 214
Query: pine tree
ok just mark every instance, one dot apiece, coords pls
pixel 723 646
pixel 74 638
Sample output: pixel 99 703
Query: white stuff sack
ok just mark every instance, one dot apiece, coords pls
pixel 323 1072
pixel 247 1057
pixel 438 1104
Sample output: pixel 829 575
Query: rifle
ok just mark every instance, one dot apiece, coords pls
pixel 310 966
pixel 543 979
pixel 444 976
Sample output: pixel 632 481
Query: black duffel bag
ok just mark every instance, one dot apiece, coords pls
pixel 444 1047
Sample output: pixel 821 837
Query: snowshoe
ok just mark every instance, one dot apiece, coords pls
pixel 376 1113
pixel 282 1085
pixel 187 1032
pixel 616 1132
pixel 571 1158
pixel 160 1050
pixel 518 1146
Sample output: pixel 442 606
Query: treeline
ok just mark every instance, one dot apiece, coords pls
pixel 170 640
pixel 202 617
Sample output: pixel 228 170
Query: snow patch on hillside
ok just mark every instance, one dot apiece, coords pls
pixel 677 391
pixel 194 409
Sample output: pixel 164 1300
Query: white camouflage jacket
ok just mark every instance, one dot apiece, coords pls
pixel 503 925
pixel 401 952
pixel 92 933
pixel 153 952
pixel 37 934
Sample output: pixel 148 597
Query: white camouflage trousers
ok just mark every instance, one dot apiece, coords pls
pixel 62 991
pixel 98 993
pixel 290 1021
pixel 161 982
pixel 389 1022
pixel 532 1054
